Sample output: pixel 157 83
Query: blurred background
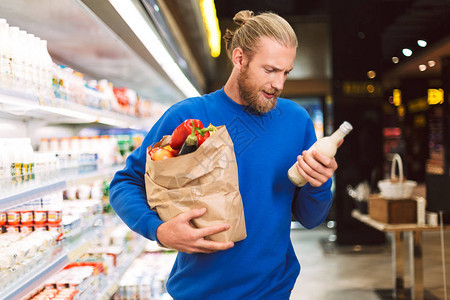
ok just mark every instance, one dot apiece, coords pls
pixel 382 65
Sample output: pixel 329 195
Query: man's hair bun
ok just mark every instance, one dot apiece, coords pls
pixel 243 16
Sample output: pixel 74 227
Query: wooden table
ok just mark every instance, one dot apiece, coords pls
pixel 398 256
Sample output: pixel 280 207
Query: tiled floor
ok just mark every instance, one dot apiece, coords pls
pixel 331 272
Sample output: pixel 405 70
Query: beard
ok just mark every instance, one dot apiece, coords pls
pixel 251 94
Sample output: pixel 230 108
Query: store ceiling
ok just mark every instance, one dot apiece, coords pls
pixel 285 8
pixel 79 39
pixel 76 31
pixel 399 24
pixel 413 20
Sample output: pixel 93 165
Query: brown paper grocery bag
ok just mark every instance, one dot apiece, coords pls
pixel 207 178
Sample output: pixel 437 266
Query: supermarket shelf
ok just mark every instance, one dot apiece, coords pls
pixel 42 267
pixel 23 105
pixel 109 47
pixel 23 192
pixel 14 194
pixel 80 177
pixel 124 264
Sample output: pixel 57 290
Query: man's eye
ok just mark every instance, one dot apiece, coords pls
pixel 269 70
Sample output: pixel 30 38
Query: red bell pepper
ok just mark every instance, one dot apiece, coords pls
pixel 191 143
pixel 202 134
pixel 195 139
pixel 180 133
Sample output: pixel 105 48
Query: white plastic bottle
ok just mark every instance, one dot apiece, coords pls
pixel 40 66
pixel 44 68
pixel 69 83
pixel 28 156
pixel 15 57
pixel 326 146
pixel 26 80
pixel 9 148
pixel 106 153
pixel 4 53
pixel 5 163
pixel 47 71
pixel 14 157
pixel 19 65
pixel 44 145
pixel 33 68
pixel 21 155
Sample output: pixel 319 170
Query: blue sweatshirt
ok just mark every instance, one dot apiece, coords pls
pixel 264 265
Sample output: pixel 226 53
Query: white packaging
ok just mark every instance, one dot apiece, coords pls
pixel 46 69
pixel 432 219
pixel 421 213
pixel 5 54
pixel 33 67
pixel 5 162
pixel 26 84
pixel 19 251
pixel 54 145
pixel 16 156
pixel 28 156
pixel 7 258
pixel 16 57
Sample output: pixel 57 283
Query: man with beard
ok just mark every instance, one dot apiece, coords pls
pixel 268 134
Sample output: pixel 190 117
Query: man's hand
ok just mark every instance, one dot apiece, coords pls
pixel 179 234
pixel 316 168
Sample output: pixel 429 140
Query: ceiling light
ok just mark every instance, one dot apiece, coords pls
pixel 421 43
pixel 422 68
pixel 395 59
pixel 431 63
pixel 371 74
pixel 211 23
pixel 131 15
pixel 407 52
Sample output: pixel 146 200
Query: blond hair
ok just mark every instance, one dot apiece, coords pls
pixel 252 28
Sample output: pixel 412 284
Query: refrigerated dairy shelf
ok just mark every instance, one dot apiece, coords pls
pixel 123 265
pixel 14 194
pixel 24 105
pixel 23 281
pixel 34 273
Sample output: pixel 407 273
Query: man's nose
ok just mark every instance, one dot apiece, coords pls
pixel 278 83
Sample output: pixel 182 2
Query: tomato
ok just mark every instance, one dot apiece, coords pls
pixel 159 153
pixel 175 152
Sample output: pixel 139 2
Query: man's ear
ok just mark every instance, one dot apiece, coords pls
pixel 238 57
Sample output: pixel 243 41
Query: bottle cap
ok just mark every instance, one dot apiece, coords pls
pixel 346 127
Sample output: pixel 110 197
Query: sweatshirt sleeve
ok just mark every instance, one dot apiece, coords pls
pixel 127 190
pixel 311 204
